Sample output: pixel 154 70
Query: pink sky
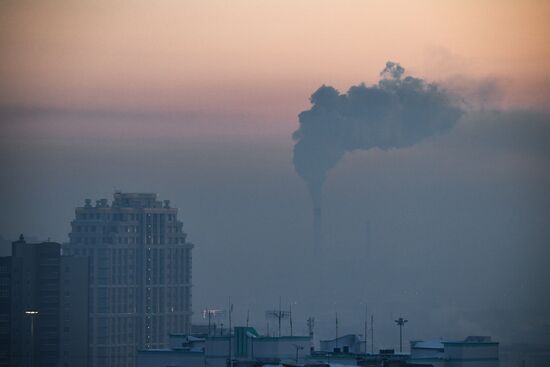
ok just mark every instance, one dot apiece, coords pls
pixel 261 59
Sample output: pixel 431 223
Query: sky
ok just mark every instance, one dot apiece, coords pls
pixel 197 101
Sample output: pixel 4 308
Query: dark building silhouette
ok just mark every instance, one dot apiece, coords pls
pixel 49 306
pixel 5 310
pixel 140 279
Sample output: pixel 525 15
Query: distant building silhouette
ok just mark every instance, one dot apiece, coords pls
pixel 5 310
pixel 49 306
pixel 140 279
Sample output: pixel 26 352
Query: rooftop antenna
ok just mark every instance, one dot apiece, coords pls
pixel 247 317
pixel 372 333
pixel 230 349
pixel 336 339
pixel 401 322
pixel 277 315
pixel 366 326
pixel 212 313
pixel 290 316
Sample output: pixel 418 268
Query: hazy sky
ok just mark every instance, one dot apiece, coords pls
pixel 197 101
pixel 258 58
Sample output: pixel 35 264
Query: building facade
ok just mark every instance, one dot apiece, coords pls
pixel 474 351
pixel 5 310
pixel 49 307
pixel 140 274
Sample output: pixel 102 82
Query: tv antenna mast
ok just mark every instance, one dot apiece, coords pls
pixel 336 339
pixel 278 315
pixel 212 314
pixel 290 312
pixel 366 327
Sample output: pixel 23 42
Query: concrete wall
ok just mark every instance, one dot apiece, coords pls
pixel 472 354
pixel 169 358
pixel 281 348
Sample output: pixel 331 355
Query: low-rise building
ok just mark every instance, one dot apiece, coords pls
pixel 474 351
pixel 350 343
pixel 243 346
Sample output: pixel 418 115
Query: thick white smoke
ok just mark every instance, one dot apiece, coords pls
pixel 397 112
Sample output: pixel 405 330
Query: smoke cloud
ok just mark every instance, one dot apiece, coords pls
pixel 395 113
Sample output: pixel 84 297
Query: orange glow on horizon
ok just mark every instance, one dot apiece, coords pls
pixel 258 57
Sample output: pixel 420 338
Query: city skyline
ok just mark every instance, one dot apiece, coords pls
pixel 430 117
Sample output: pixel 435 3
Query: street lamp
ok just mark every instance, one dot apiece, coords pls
pixel 401 322
pixel 32 314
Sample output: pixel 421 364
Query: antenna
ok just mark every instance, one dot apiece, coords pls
pixel 277 315
pixel 212 313
pixel 336 339
pixel 230 349
pixel 401 322
pixel 247 317
pixel 366 327
pixel 372 334
pixel 290 316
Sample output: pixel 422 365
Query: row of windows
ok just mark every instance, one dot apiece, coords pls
pixel 131 240
pixel 114 330
pixel 119 229
pixel 114 356
pixel 121 216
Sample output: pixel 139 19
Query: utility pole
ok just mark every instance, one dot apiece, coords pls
pixel 401 322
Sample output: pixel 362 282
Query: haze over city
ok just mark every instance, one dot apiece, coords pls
pixel 445 223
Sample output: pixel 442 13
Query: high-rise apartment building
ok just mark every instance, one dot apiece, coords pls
pixel 49 306
pixel 140 274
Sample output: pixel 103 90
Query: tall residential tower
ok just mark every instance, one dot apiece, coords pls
pixel 140 275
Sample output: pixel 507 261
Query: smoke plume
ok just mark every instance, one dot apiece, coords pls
pixel 395 113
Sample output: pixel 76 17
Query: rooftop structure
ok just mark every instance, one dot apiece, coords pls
pixel 245 345
pixel 473 351
pixel 350 343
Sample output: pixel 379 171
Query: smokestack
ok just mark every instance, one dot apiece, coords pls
pixel 317 238
pixel 398 112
